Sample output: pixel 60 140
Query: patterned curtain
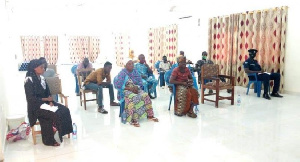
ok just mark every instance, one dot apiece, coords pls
pixel 231 37
pixel 122 46
pixel 84 46
pixel 94 48
pixel 30 47
pixel 162 42
pixel 51 49
pixel 171 42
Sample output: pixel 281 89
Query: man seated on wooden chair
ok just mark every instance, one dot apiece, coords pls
pixel 84 69
pixel 94 81
pixel 251 66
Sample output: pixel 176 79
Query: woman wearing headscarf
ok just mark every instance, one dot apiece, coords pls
pixel 137 103
pixel 186 95
pixel 37 94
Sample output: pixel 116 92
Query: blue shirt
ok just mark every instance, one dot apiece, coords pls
pixel 141 68
pixel 252 65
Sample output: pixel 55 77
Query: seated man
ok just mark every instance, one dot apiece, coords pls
pixel 147 74
pixel 83 69
pixel 252 66
pixel 164 66
pixel 94 81
pixel 199 65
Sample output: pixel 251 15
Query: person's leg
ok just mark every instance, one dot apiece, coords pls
pixel 99 89
pixel 162 79
pixel 276 78
pixel 76 85
pixel 265 78
pixel 112 95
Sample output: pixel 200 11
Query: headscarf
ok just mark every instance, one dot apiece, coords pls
pixel 123 76
pixel 32 65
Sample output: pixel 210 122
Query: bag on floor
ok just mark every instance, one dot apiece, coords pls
pixel 22 132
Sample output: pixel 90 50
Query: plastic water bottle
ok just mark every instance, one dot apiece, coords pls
pixel 123 117
pixel 74 131
pixel 239 100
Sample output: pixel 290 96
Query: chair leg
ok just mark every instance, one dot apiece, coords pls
pixel 248 88
pixel 33 135
pixel 84 101
pixel 170 101
pixel 217 97
pixel 232 96
pixel 202 95
pixel 80 98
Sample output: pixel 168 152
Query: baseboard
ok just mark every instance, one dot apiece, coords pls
pixel 292 93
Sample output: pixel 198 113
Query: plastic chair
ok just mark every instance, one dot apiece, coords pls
pixel 257 84
pixel 167 79
pixel 145 87
pixel 156 65
pixel 73 70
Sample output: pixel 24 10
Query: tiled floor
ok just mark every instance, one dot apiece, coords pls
pixel 258 130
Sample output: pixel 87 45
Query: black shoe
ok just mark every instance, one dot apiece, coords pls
pixel 210 91
pixel 266 96
pixel 229 90
pixel 276 95
pixel 102 110
pixel 152 97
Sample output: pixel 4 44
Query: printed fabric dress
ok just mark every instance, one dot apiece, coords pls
pixel 136 105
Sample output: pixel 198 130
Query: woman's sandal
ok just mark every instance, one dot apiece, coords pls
pixel 153 119
pixel 56 144
pixel 136 124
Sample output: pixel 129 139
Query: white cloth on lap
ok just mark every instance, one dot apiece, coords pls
pixel 49 108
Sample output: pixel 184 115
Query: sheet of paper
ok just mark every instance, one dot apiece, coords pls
pixel 49 108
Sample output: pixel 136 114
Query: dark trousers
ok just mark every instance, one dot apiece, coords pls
pixel 99 89
pixel 162 79
pixel 265 78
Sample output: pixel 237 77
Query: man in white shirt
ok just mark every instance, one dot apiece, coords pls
pixel 164 66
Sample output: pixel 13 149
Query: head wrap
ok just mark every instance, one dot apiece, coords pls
pixel 32 65
pixel 254 51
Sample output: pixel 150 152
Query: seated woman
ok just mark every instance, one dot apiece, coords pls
pixel 37 94
pixel 137 102
pixel 186 95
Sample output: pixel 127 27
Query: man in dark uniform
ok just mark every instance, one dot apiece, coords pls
pixel 252 66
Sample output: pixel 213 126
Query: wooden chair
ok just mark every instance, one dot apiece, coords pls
pixel 82 74
pixel 54 84
pixel 211 72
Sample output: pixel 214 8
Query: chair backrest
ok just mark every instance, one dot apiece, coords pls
pixel 74 69
pixel 53 67
pixel 168 76
pixel 156 65
pixel 54 84
pixel 82 74
pixel 210 70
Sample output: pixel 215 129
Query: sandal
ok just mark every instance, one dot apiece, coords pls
pixel 56 144
pixel 153 119
pixel 192 115
pixel 135 124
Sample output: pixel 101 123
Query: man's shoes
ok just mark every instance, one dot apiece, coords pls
pixel 102 110
pixel 152 97
pixel 276 95
pixel 266 96
pixel 114 104
pixel 210 91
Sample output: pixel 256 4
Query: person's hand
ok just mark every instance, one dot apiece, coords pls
pixel 184 83
pixel 144 77
pixel 134 89
pixel 51 104
pixel 190 82
pixel 50 99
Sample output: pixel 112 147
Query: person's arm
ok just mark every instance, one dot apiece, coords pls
pixel 30 95
pixel 148 68
pixel 251 71
pixel 99 77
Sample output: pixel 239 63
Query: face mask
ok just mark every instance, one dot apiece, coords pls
pixel 204 57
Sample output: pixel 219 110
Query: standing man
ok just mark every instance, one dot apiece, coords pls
pixel 164 66
pixel 147 75
pixel 94 81
pixel 251 66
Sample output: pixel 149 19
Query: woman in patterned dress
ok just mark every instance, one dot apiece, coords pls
pixel 37 94
pixel 186 95
pixel 137 103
